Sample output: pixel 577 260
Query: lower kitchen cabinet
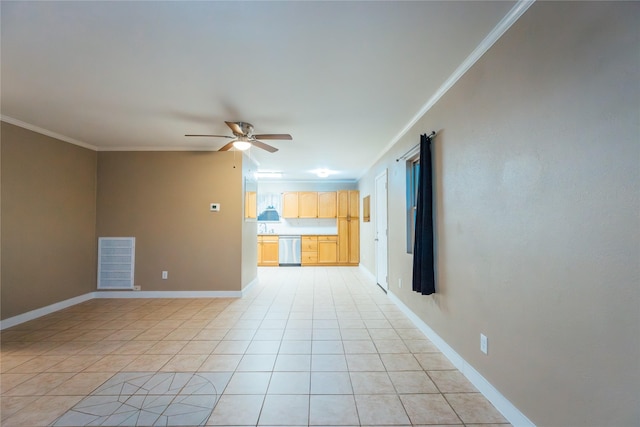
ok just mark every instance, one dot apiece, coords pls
pixel 309 250
pixel 327 249
pixel 268 250
pixel 319 250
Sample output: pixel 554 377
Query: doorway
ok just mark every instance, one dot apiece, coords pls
pixel 381 234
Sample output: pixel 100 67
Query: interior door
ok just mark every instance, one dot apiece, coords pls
pixel 381 235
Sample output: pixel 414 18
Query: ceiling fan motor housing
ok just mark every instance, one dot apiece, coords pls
pixel 245 128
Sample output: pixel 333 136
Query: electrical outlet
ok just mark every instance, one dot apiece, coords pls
pixel 137 288
pixel 214 207
pixel 400 282
pixel 165 275
pixel 484 344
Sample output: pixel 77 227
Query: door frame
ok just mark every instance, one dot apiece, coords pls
pixel 381 224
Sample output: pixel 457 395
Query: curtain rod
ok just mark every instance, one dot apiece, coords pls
pixel 404 156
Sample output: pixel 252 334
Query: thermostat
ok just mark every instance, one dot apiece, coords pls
pixel 214 207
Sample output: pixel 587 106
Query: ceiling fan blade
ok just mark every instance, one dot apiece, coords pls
pixel 274 136
pixel 217 136
pixel 227 147
pixel 264 146
pixel 235 128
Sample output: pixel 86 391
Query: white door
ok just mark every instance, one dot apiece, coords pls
pixel 380 218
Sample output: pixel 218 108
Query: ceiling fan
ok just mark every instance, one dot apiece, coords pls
pixel 244 138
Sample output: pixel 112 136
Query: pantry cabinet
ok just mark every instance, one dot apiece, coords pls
pixel 349 227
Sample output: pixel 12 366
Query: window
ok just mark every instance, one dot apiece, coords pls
pixel 413 176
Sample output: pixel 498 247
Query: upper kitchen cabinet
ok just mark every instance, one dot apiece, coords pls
pixel 290 204
pixel 307 204
pixel 250 209
pixel 327 204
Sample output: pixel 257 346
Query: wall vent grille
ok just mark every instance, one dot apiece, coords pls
pixel 116 260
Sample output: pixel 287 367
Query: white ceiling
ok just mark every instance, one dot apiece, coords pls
pixel 343 78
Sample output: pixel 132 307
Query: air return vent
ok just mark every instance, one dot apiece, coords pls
pixel 116 259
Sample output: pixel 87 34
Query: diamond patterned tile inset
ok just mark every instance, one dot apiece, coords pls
pixel 150 399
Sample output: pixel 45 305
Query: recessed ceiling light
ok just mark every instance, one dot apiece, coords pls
pixel 323 173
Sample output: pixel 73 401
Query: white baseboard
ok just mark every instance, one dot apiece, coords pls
pixel 502 404
pixel 43 311
pixel 364 270
pixel 168 294
pixel 249 287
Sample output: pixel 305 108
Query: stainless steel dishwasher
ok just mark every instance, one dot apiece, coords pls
pixel 289 248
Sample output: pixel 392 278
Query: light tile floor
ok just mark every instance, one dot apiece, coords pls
pixel 307 346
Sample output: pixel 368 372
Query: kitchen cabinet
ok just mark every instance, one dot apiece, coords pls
pixel 327 249
pixel 307 204
pixel 319 250
pixel 290 204
pixel 268 250
pixel 309 250
pixel 348 227
pixel 327 204
pixel 250 200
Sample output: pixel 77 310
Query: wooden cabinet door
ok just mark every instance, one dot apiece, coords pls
pixel 354 203
pixel 327 204
pixel 290 205
pixel 343 204
pixel 270 252
pixel 250 200
pixel 259 250
pixel 348 203
pixel 307 204
pixel 327 250
pixel 354 241
pixel 343 240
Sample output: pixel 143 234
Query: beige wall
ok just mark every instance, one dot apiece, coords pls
pixel 537 171
pixel 162 199
pixel 48 220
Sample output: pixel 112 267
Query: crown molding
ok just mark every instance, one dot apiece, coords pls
pixel 494 35
pixel 46 132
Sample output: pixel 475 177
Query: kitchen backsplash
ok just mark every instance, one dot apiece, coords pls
pixel 299 226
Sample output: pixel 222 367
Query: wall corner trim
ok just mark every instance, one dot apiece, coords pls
pixel 502 404
pixel 46 132
pixel 494 35
pixel 249 287
pixel 43 311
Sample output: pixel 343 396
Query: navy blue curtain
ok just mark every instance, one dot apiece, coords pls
pixel 423 262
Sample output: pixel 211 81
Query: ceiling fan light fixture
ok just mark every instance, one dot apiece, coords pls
pixel 241 143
